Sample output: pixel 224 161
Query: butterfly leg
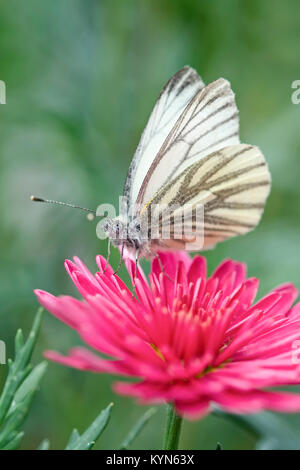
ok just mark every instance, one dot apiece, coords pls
pixel 162 267
pixel 108 256
pixel 135 271
pixel 121 260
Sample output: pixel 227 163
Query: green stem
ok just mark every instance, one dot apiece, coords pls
pixel 172 431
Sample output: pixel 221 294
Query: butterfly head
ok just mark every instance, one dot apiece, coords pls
pixel 114 228
pixel 122 232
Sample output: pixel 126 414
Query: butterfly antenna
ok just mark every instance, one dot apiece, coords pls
pixel 59 203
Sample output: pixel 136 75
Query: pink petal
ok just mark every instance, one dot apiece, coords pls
pixel 104 266
pixel 197 269
pixel 67 309
pixel 228 267
pixel 169 262
pixel 193 411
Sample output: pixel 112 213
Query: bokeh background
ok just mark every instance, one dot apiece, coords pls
pixel 82 77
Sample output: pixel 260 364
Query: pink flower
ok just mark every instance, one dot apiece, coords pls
pixel 193 341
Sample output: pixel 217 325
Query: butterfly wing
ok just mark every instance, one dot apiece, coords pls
pixel 208 123
pixel 229 186
pixel 175 96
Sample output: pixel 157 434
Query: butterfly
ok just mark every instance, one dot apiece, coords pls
pixel 190 156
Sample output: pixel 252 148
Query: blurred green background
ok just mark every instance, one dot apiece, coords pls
pixel 82 78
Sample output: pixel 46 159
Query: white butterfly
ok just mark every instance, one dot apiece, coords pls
pixel 189 155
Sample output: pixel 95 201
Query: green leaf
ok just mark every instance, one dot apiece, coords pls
pixel 137 428
pixel 15 420
pixel 19 341
pixel 20 367
pixel 74 438
pixel 31 383
pixel 19 388
pixel 14 443
pixel 44 445
pixel 89 437
pixel 272 430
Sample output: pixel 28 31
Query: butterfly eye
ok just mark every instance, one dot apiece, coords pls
pixel 138 227
pixel 118 227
